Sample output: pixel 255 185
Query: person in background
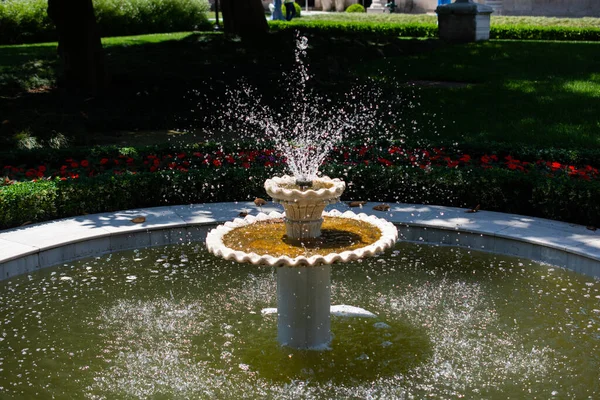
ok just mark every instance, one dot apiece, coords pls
pixel 290 9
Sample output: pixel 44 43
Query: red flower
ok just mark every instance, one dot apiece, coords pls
pixel 104 161
pixel 74 164
pixel 555 165
pixel 216 163
pixel 42 168
pixel 246 165
pixel 85 163
pixel 465 158
pixel 385 162
pixel 395 149
pixel 181 155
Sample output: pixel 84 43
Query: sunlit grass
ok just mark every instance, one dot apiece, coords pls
pixel 432 19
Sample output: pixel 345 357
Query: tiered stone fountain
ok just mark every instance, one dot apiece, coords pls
pixel 303 282
pixel 303 274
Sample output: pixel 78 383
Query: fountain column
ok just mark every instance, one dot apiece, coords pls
pixel 303 306
pixel 304 293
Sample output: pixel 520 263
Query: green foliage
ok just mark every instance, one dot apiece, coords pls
pixel 26 21
pixel 349 28
pixel 355 8
pixel 131 17
pixel 296 6
pixel 532 32
pixel 532 193
pixel 425 29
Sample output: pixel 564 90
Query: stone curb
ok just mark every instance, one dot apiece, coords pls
pixel 28 248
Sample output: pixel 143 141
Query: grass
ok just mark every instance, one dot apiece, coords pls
pixel 519 92
pixel 536 93
pixel 432 19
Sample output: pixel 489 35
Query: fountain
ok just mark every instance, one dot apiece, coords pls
pixel 178 322
pixel 303 282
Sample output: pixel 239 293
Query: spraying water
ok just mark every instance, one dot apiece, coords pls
pixel 303 125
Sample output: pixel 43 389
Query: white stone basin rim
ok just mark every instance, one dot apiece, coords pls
pixel 275 188
pixel 215 245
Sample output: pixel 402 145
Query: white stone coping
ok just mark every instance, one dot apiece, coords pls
pixel 31 247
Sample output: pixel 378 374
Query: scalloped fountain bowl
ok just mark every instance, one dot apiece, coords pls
pixel 386 232
pixel 303 242
pixel 304 206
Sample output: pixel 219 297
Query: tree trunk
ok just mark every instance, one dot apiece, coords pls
pixel 79 44
pixel 244 17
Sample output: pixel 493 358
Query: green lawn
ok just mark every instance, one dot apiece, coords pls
pixel 432 19
pixel 519 92
pixel 539 93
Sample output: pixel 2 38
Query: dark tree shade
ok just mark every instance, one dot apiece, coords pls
pixel 79 44
pixel 244 17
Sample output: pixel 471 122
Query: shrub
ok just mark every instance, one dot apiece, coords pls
pixel 355 8
pixel 426 29
pixel 296 6
pixel 354 27
pixel 131 17
pixel 26 21
pixel 108 179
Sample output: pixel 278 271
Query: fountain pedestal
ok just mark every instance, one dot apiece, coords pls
pixel 303 307
pixel 303 219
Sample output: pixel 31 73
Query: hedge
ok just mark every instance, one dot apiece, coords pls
pixel 27 21
pixel 101 183
pixel 427 30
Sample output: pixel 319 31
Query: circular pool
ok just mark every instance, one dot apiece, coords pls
pixel 175 322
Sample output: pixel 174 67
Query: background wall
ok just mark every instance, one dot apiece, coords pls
pixel 554 8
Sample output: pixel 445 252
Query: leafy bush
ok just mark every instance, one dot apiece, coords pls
pixel 131 17
pixel 529 32
pixel 353 27
pixel 109 179
pixel 26 21
pixel 425 29
pixel 496 190
pixel 296 6
pixel 355 8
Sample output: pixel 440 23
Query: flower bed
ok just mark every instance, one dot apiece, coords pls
pixel 101 180
pixel 184 161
